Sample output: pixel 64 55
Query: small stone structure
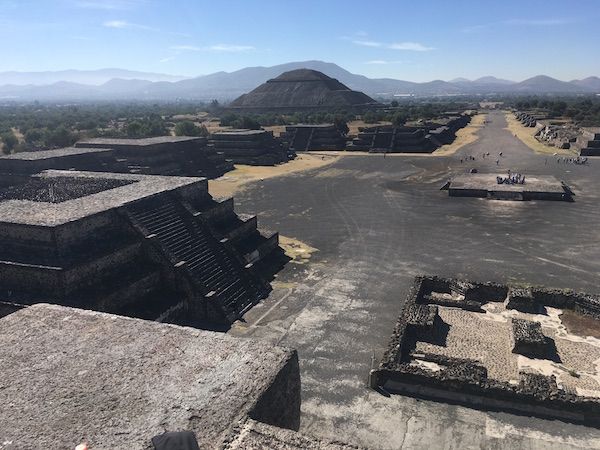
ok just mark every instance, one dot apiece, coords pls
pixel 255 147
pixel 522 299
pixel 147 246
pixel 71 376
pixel 485 185
pixel 528 338
pixel 424 365
pixel 527 119
pixel 301 137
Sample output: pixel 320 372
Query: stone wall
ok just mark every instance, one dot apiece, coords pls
pixel 466 381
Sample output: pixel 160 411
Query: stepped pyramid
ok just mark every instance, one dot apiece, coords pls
pixel 302 89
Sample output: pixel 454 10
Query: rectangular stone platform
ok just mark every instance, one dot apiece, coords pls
pixel 48 214
pixel 467 355
pixel 71 376
pixel 485 185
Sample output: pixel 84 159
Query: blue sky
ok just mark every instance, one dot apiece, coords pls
pixel 412 40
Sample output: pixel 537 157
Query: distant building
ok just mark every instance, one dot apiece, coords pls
pixel 302 89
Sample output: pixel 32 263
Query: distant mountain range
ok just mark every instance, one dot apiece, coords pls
pixel 118 84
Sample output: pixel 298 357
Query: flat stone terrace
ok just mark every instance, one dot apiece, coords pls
pixel 72 376
pixel 50 154
pixel 486 337
pixel 49 214
pixel 117 142
pixel 487 182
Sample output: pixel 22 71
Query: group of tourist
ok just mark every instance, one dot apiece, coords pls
pixel 512 178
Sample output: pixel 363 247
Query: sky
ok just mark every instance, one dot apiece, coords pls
pixel 410 40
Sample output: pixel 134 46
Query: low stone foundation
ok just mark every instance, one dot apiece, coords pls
pixel 503 361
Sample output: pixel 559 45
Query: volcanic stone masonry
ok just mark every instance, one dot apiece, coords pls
pixel 73 376
pixel 457 341
pixel 301 137
pixel 421 139
pixel 164 155
pixel 302 90
pixel 527 119
pixel 154 247
pixel 254 147
pixel 485 185
pixel 589 142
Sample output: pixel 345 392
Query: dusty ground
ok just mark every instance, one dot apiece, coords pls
pixel 377 222
pixel 236 180
pixel 354 125
pixel 526 135
pixel 464 136
pixel 579 324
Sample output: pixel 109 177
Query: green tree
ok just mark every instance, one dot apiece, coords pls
pixel 394 104
pixel 9 140
pixel 60 137
pixel 34 135
pixel 135 129
pixel 188 128
pixel 341 125
pixel 399 119
pixel 249 123
pixel 370 117
pixel 228 119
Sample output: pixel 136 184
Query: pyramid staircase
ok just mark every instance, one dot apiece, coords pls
pixel 213 271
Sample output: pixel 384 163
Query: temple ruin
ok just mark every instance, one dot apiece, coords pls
pixel 254 147
pixel 155 247
pixel 302 90
pixel 474 344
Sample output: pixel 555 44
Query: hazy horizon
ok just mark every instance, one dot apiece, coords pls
pixel 414 42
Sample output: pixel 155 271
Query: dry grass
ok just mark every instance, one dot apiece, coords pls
pixel 234 181
pixel 527 136
pixel 464 136
pixel 354 125
pixel 297 250
pixel 580 324
pixel 276 129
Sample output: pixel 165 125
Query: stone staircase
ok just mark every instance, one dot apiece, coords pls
pixel 301 139
pixel 214 272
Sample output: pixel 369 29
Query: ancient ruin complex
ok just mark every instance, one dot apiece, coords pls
pixel 299 90
pixel 409 139
pixel 494 346
pixel 155 247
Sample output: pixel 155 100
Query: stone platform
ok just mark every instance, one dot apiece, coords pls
pixel 484 185
pixel 464 342
pixel 72 376
pixel 154 247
